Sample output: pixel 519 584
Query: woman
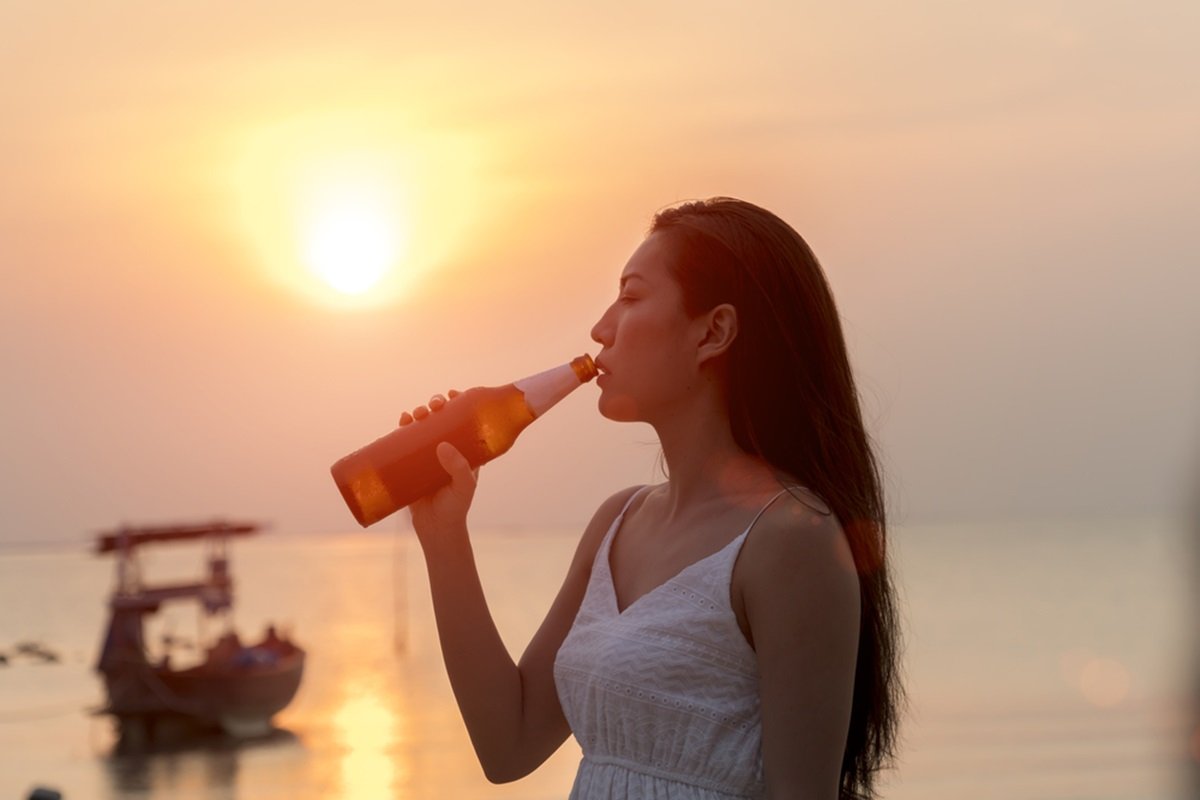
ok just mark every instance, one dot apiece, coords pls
pixel 730 632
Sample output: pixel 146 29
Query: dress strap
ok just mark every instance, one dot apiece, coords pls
pixel 768 504
pixel 632 497
pixel 617 520
pixel 616 523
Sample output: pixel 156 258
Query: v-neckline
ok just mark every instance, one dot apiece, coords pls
pixel 612 581
pixel 621 521
pixel 612 535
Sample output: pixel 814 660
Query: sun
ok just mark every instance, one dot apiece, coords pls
pixel 351 239
pixel 352 209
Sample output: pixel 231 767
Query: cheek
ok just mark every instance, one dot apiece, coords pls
pixel 640 390
pixel 649 337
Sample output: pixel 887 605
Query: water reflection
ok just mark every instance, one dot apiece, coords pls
pixel 347 731
pixel 194 765
pixel 365 727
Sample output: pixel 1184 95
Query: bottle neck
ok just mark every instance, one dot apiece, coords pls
pixel 543 390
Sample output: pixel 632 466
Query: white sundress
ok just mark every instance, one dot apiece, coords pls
pixel 663 696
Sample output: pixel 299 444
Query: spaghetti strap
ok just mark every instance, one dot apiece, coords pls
pixel 613 527
pixel 629 502
pixel 767 505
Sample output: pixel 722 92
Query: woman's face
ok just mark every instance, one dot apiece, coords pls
pixel 647 360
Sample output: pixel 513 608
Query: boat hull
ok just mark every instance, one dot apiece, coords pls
pixel 241 699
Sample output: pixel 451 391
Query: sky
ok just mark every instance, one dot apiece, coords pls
pixel 1003 197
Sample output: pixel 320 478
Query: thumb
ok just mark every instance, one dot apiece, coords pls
pixel 456 464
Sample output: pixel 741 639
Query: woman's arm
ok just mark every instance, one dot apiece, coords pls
pixel 800 592
pixel 511 711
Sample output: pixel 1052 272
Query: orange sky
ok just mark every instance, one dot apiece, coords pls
pixel 1003 199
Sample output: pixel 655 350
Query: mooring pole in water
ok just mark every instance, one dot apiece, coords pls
pixel 400 587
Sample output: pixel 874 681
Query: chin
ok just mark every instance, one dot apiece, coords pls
pixel 618 408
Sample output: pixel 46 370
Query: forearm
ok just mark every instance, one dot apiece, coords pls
pixel 485 679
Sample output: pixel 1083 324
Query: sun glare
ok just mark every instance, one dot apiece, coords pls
pixel 367 728
pixel 352 240
pixel 352 210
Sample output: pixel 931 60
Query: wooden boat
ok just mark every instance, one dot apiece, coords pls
pixel 235 686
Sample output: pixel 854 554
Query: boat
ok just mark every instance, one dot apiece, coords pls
pixel 233 686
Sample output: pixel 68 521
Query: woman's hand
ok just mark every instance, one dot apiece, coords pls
pixel 421 412
pixel 441 518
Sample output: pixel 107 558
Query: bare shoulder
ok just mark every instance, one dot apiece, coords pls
pixel 608 510
pixel 801 533
pixel 797 556
pixel 601 521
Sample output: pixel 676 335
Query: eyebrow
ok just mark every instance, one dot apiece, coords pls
pixel 630 276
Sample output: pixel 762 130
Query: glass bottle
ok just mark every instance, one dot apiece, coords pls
pixel 402 466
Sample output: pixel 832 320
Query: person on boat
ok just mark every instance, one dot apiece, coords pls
pixel 226 648
pixel 730 632
pixel 271 640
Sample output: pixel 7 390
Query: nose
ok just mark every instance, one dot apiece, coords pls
pixel 602 330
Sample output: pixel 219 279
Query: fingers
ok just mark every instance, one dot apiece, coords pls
pixel 436 403
pixel 455 463
pixel 420 412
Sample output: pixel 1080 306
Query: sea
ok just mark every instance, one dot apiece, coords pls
pixel 1049 659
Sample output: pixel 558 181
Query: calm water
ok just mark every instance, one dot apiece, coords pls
pixel 1043 661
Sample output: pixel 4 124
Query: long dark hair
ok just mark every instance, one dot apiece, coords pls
pixel 793 402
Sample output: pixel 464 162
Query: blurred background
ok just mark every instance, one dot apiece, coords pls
pixel 236 241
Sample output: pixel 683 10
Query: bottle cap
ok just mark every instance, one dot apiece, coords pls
pixel 585 368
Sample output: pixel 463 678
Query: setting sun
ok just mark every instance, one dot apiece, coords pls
pixel 351 240
pixel 352 210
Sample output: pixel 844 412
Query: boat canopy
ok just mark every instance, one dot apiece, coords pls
pixel 128 537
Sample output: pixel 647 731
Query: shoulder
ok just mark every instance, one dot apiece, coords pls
pixel 617 500
pixel 796 525
pixel 610 508
pixel 801 596
pixel 797 557
pixel 601 521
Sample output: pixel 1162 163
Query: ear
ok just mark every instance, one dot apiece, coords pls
pixel 717 329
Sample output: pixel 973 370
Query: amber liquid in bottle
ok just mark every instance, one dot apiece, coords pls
pixel 482 423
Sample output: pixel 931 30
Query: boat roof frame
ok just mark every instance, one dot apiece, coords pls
pixel 126 538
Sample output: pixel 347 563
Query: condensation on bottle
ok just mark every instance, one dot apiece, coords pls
pixel 482 423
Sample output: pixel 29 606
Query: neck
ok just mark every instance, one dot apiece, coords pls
pixel 705 464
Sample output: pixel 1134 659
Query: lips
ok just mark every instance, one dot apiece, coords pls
pixel 602 378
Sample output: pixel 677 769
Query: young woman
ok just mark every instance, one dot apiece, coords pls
pixel 730 632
